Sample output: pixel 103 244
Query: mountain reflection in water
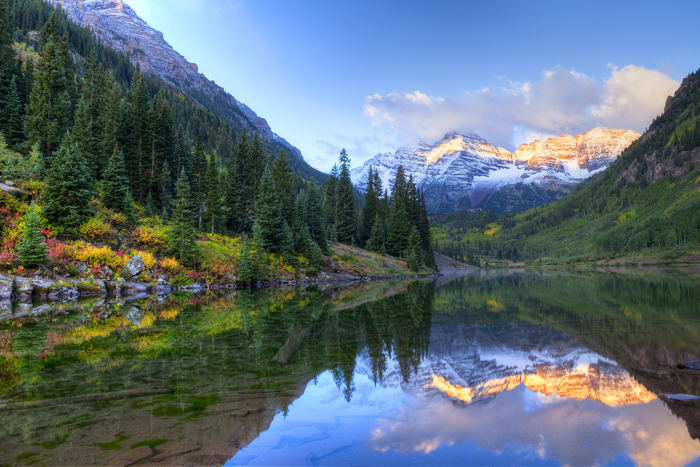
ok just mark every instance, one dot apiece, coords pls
pixel 522 368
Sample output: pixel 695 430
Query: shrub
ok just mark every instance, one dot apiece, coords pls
pixel 171 265
pixel 96 229
pixel 153 238
pixel 87 253
pixel 148 259
pixel 119 220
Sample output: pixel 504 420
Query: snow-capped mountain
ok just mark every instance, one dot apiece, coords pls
pixel 470 366
pixel 464 171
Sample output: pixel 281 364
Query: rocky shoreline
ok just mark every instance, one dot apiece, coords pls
pixel 62 288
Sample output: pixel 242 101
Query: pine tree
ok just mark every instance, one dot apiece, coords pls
pixel 287 244
pixel 258 164
pixel 68 192
pixel 164 186
pixel 116 194
pixel 268 214
pixel 82 138
pixel 346 225
pixel 330 198
pixel 283 177
pixel 414 253
pixel 260 265
pixel 182 237
pixel 32 250
pixel 108 124
pixel 49 104
pixel 371 207
pixel 245 265
pixel 138 138
pixel 377 241
pixel 13 113
pixel 315 218
pixel 213 200
pixel 199 179
pixel 398 229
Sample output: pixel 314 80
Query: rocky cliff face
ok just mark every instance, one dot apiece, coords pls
pixel 472 367
pixel 464 171
pixel 115 22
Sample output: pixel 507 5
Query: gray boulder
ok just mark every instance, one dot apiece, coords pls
pixel 44 288
pixel 7 285
pixel 83 268
pixel 135 266
pixel 5 309
pixel 113 287
pixel 24 287
pixel 135 288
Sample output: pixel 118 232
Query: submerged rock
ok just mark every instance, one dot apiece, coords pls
pixel 692 365
pixel 24 287
pixel 92 287
pixel 135 266
pixel 7 285
pixel 135 288
pixel 44 288
pixel 135 316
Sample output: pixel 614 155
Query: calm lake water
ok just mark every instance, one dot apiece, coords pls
pixel 488 368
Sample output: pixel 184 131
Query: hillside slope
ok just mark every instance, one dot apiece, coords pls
pixel 118 25
pixel 646 203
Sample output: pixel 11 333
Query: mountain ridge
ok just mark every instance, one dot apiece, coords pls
pixel 118 24
pixel 461 170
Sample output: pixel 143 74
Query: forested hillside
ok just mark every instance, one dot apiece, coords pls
pixel 647 203
pixel 116 163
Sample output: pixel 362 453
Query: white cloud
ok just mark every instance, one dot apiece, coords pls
pixel 562 101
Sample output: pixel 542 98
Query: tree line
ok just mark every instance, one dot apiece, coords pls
pixel 89 135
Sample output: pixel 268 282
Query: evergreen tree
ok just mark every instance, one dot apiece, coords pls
pixel 32 250
pixel 287 243
pixel 414 253
pixel 49 104
pixel 82 138
pixel 164 187
pixel 182 237
pixel 116 194
pixel 346 225
pixel 283 177
pixel 245 265
pixel 330 198
pixel 109 123
pixel 14 117
pixel 377 240
pixel 199 179
pixel 138 138
pixel 398 229
pixel 68 192
pixel 213 197
pixel 260 265
pixel 258 164
pixel 268 214
pixel 371 207
pixel 315 218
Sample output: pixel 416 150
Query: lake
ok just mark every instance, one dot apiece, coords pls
pixel 483 368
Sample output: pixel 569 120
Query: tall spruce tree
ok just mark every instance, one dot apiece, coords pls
pixel 268 214
pixel 199 179
pixel 283 176
pixel 6 65
pixel 330 200
pixel 213 201
pixel 116 194
pixel 346 224
pixel 182 236
pixel 315 218
pixel 371 207
pixel 83 138
pixel 109 124
pixel 49 104
pixel 32 250
pixel 14 114
pixel 68 192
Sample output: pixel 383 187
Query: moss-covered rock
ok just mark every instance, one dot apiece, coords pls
pixel 92 287
pixel 24 287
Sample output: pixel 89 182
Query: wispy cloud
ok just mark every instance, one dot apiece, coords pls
pixel 562 101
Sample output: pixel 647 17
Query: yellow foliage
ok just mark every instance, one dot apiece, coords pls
pixel 171 265
pixel 87 253
pixel 625 217
pixel 492 229
pixel 495 306
pixel 303 262
pixel 151 237
pixel 148 259
pixel 96 229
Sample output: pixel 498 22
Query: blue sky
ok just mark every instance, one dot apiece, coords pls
pixel 370 76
